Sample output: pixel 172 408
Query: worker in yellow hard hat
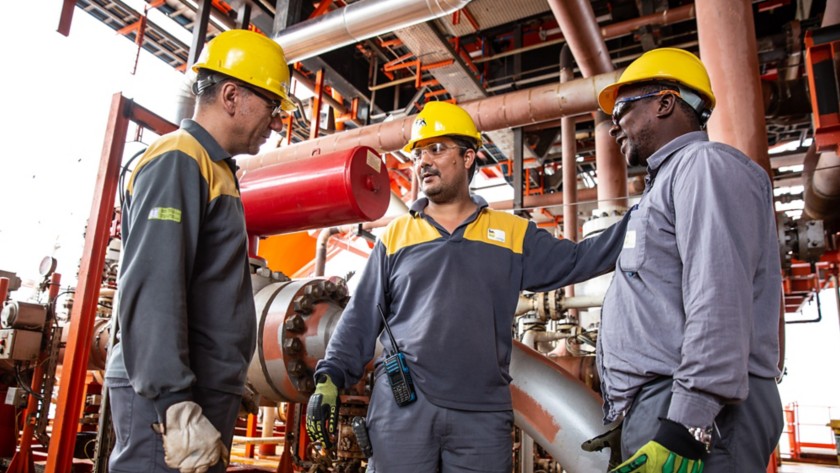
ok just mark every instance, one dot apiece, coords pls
pixel 688 349
pixel 447 278
pixel 186 308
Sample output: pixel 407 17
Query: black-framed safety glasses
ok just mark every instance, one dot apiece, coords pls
pixel 623 105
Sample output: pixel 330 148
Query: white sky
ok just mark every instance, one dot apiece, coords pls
pixel 58 92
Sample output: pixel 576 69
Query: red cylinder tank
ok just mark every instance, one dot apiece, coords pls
pixel 323 191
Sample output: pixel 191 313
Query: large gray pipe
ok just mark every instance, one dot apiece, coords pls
pixel 556 410
pixel 351 24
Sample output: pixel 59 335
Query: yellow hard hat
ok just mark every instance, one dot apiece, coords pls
pixel 666 64
pixel 251 58
pixel 442 119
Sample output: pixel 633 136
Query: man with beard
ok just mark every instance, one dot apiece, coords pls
pixel 689 348
pixel 186 307
pixel 447 277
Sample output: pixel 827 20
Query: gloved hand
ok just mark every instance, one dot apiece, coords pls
pixel 322 411
pixel 672 450
pixel 190 442
pixel 610 439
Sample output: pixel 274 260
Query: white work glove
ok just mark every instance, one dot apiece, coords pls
pixel 190 442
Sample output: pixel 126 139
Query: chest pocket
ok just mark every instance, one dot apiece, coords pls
pixel 633 252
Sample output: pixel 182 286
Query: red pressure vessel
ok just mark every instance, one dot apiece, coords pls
pixel 323 191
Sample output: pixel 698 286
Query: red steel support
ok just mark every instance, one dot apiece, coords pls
pixel 66 17
pixel 72 383
pixel 23 462
pixel 315 122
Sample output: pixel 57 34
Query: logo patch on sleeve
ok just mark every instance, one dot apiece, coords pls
pixel 165 213
pixel 496 235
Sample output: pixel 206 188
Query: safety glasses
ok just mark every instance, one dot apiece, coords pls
pixel 276 106
pixel 434 150
pixel 623 105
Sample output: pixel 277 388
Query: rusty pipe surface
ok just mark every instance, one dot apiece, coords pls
pixel 513 109
pixel 556 410
pixel 728 49
pixel 663 18
pixel 577 21
pixel 356 22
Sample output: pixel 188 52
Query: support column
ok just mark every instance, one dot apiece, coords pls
pixel 726 31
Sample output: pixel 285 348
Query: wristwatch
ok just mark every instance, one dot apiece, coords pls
pixel 702 435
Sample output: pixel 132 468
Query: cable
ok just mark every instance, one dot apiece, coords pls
pixel 123 170
pixel 25 386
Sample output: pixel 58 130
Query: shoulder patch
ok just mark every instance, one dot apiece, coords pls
pixel 406 231
pixel 219 177
pixel 165 213
pixel 499 229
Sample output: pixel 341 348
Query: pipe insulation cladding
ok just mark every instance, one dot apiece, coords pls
pixel 344 187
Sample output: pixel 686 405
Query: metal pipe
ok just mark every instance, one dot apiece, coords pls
pixel 321 249
pixel 822 181
pixel 583 302
pixel 351 24
pixel 569 160
pixel 726 30
pixel 577 21
pixel 358 21
pixel 556 410
pixel 514 109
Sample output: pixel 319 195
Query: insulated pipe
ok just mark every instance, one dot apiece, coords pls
pixel 351 24
pixel 636 185
pixel 556 410
pixel 358 21
pixel 577 22
pixel 726 31
pixel 822 176
pixel 514 109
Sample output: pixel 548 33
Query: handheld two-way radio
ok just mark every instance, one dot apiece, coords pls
pixel 397 369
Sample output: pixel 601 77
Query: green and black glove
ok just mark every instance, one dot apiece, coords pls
pixel 322 411
pixel 672 450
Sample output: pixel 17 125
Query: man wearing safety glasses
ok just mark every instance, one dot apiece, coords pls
pixel 688 350
pixel 186 306
pixel 447 277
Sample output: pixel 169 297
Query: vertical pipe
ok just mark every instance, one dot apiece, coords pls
pixel 569 144
pixel 83 315
pixel 580 29
pixel 269 417
pixel 728 49
pixel 569 160
pixel 518 173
